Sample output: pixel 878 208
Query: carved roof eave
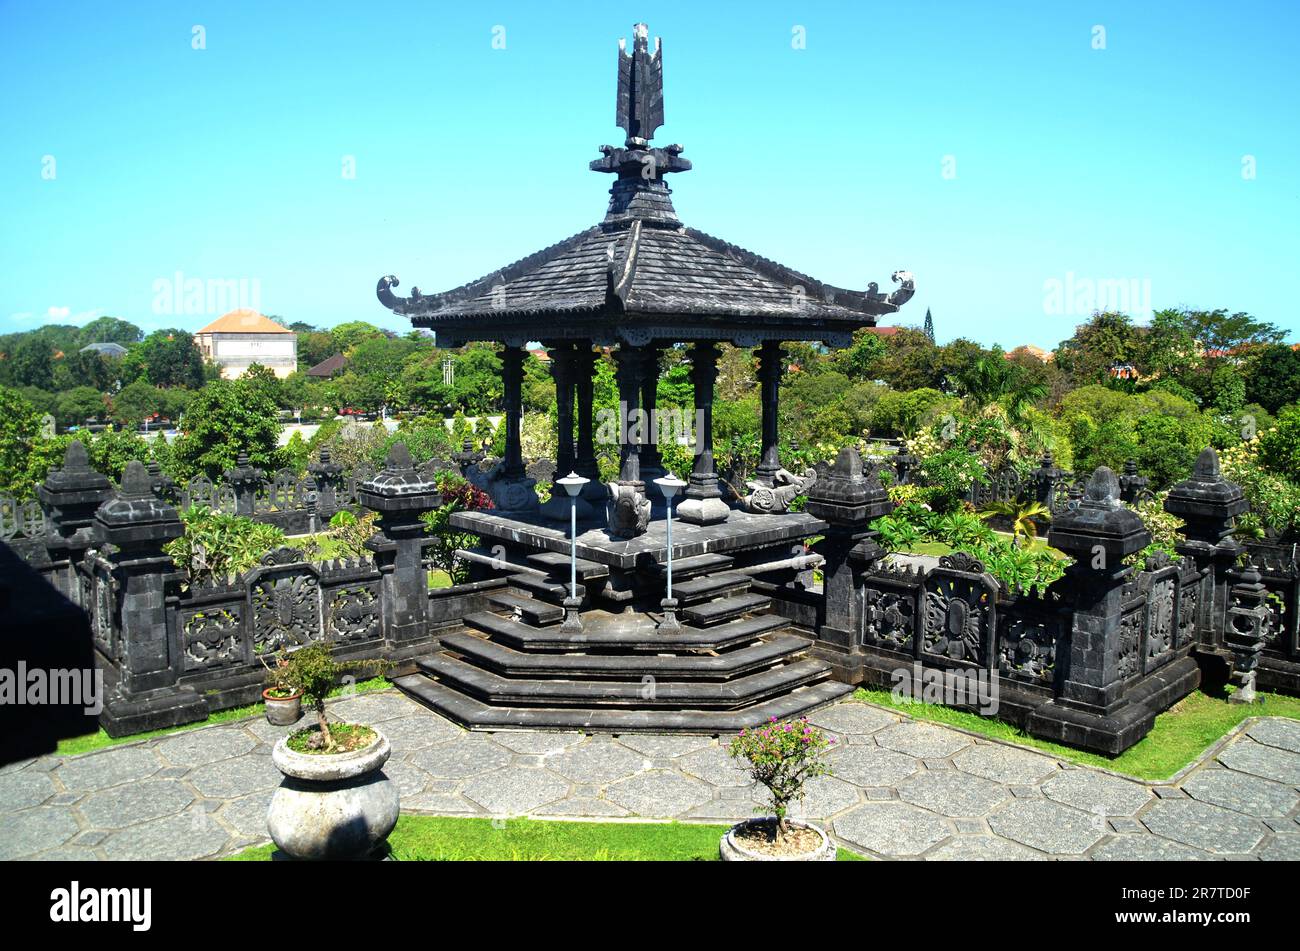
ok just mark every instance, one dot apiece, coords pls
pixel 418 304
pixel 816 299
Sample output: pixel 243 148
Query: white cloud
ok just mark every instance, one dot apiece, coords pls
pixel 58 313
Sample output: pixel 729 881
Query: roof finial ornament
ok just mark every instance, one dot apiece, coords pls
pixel 640 109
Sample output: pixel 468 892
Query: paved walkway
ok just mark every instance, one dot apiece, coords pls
pixel 900 789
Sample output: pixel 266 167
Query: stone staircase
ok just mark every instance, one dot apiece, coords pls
pixel 730 666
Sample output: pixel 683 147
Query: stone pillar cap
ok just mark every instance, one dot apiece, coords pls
pixel 137 516
pixel 1099 521
pixel 845 494
pixel 75 481
pixel 399 485
pixel 1207 493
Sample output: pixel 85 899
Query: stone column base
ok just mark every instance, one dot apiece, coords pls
pixel 703 511
pixel 153 710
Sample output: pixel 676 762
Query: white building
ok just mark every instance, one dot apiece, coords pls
pixel 241 338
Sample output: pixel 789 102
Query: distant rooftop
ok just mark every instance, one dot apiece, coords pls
pixel 107 349
pixel 329 366
pixel 244 321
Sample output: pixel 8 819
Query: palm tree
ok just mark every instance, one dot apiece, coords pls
pixel 1022 516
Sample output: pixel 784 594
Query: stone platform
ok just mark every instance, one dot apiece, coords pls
pixel 741 533
pixel 730 664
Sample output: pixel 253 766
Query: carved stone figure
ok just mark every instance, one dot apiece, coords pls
pixel 629 510
pixel 776 499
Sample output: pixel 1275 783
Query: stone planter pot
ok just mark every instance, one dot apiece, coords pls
pixel 731 850
pixel 332 805
pixel 282 711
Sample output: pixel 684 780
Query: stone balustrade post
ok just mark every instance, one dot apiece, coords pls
pixel 400 494
pixel 70 495
pixel 133 527
pixel 245 480
pixel 1099 534
pixel 328 476
pixel 1209 505
pixel 848 501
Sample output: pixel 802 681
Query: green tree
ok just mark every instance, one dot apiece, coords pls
pixel 225 418
pixel 20 429
pixel 109 330
pixel 1106 339
pixel 32 364
pixel 1273 377
pixel 165 358
pixel 135 401
pixel 79 404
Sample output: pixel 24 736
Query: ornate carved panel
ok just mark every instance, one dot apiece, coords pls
pixel 285 609
pixel 1160 620
pixel 102 622
pixel 1130 636
pixel 889 619
pixel 958 611
pixel 1188 602
pixel 1028 650
pixel 352 613
pixel 211 637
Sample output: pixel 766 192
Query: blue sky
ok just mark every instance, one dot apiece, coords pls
pixel 1073 164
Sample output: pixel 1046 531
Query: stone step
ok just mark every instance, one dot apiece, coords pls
pixel 558 565
pixel 684 568
pixel 544 589
pixel 477 715
pixel 724 609
pixel 497 690
pixel 718 637
pixel 512 663
pixel 705 587
pixel 530 609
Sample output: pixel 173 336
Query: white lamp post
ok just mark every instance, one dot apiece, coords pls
pixel 670 485
pixel 573 484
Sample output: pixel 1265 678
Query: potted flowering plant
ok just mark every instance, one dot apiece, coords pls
pixel 782 756
pixel 282 697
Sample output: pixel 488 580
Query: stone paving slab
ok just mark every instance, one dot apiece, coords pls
pixel 898 789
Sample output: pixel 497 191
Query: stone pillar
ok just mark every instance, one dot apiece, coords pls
pixel 328 476
pixel 1131 484
pixel 652 463
pixel 1243 634
pixel 70 495
pixel 702 503
pixel 585 452
pixel 512 360
pixel 631 362
pixel 1209 505
pixel 848 501
pixel 1047 477
pixel 769 376
pixel 904 463
pixel 1099 534
pixel 400 494
pixel 564 370
pixel 563 367
pixel 133 528
pixel 245 480
pixel 629 506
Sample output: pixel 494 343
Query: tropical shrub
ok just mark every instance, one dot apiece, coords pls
pixel 217 546
pixel 458 495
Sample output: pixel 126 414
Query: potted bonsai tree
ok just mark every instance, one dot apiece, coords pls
pixel 282 697
pixel 334 801
pixel 782 756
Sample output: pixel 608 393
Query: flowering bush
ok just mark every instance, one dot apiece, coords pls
pixel 457 495
pixel 783 757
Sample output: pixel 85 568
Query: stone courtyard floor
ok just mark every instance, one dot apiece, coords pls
pixel 900 789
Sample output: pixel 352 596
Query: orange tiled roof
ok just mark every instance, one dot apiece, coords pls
pixel 244 321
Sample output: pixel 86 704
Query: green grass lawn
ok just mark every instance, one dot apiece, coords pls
pixel 447 839
pixel 100 739
pixel 1180 735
